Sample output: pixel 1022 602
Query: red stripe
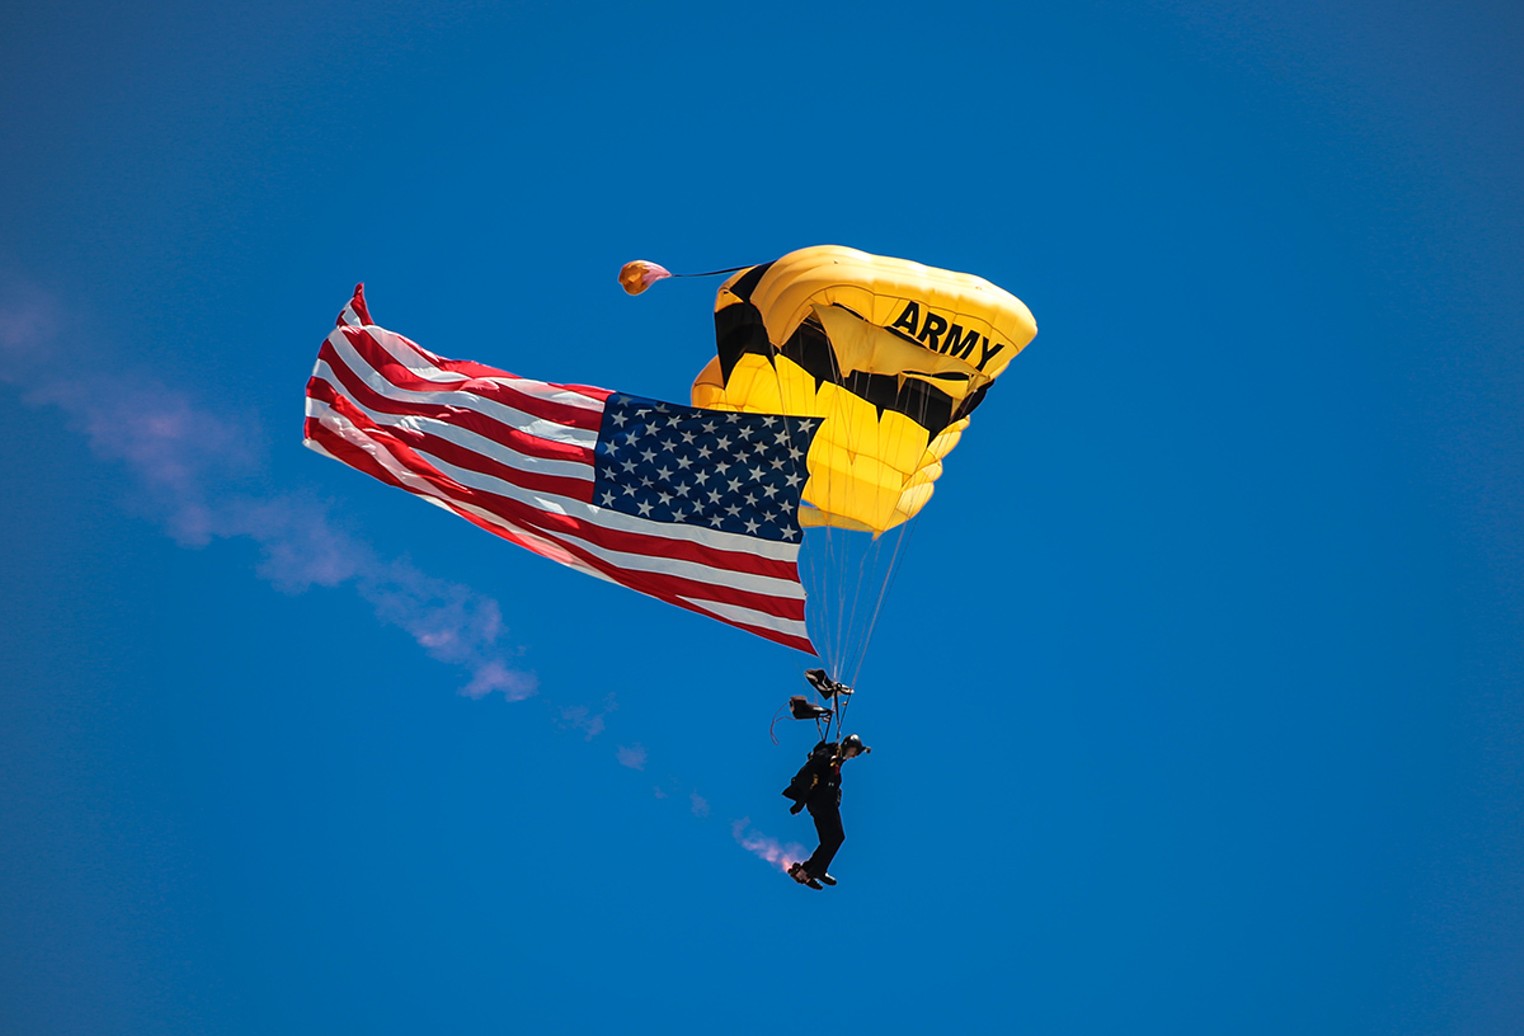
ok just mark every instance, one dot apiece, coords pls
pixel 389 367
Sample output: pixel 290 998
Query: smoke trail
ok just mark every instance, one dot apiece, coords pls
pixel 779 854
pixel 189 466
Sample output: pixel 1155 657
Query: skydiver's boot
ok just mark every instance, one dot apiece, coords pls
pixel 802 876
pixel 827 879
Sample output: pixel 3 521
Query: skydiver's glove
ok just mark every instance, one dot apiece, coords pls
pixel 796 808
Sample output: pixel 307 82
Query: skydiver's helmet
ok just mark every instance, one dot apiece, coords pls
pixel 855 743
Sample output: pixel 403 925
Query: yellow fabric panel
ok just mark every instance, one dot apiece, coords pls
pixel 880 288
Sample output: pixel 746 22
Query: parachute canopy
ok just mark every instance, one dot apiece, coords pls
pixel 893 355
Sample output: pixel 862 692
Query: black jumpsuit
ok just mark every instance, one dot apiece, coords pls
pixel 818 787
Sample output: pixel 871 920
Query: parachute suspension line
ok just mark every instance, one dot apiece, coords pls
pixel 901 539
pixel 714 273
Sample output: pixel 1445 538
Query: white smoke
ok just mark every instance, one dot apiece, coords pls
pixel 765 847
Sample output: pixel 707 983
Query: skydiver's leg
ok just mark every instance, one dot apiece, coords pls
pixel 828 826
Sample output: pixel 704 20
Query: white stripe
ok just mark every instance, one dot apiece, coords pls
pixel 736 613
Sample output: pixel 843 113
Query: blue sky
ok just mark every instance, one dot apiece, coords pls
pixel 1199 702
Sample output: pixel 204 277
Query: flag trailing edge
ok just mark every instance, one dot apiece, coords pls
pixel 695 507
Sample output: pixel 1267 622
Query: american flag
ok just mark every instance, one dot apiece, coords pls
pixel 698 508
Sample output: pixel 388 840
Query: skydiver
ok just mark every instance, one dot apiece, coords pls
pixel 817 787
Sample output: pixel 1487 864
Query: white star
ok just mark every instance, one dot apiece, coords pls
pixel 677 514
pixel 752 526
pixel 716 521
pixel 770 491
pixel 645 508
pixel 723 442
pixel 608 497
pixel 674 420
pixel 806 425
pixel 756 474
pixel 795 452
pixel 781 436
pixel 777 462
pixel 643 411
pixel 682 488
pixel 735 484
pixel 665 498
pixel 709 427
pixel 732 417
pixel 620 417
pixel 704 452
pixel 648 455
pixel 769 420
pixel 793 479
pixel 722 466
pixel 628 465
pixel 732 510
pixel 751 499
pixel 790 533
pixel 701 476
pixel 744 432
pixel 665 472
pixel 685 462
pixel 688 436
pixel 629 490
pixel 714 496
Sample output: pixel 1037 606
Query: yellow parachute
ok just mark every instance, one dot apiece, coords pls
pixel 890 354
